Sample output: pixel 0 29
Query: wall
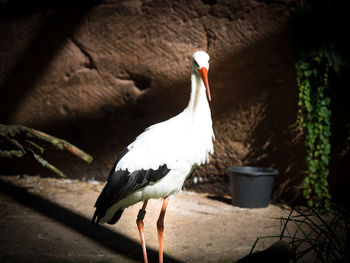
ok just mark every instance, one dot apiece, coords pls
pixel 99 72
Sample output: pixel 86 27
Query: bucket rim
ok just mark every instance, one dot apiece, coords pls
pixel 252 171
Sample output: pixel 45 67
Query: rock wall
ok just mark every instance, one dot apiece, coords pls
pixel 99 72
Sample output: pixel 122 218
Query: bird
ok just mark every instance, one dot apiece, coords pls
pixel 156 164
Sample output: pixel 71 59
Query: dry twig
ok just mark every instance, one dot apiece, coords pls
pixel 13 133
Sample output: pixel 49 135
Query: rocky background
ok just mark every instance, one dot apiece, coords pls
pixel 97 73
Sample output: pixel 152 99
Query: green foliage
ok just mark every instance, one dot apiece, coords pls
pixel 314 120
pixel 322 64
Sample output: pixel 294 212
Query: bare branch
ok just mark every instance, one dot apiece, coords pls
pixel 11 154
pixel 46 164
pixel 13 134
pixel 15 130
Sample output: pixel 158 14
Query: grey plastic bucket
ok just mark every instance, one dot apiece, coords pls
pixel 251 186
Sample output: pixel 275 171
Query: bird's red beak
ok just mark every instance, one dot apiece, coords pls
pixel 204 74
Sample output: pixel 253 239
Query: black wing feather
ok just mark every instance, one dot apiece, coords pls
pixel 122 183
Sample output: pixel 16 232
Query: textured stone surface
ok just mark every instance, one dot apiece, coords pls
pixel 98 74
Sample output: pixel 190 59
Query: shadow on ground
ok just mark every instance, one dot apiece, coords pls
pixel 111 240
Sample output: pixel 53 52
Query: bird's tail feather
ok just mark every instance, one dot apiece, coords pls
pixel 116 217
pixel 97 218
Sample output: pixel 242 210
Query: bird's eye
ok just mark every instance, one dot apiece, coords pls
pixel 196 64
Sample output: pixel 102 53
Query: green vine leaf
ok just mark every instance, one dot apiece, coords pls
pixel 314 120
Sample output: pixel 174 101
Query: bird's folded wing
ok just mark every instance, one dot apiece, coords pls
pixel 122 183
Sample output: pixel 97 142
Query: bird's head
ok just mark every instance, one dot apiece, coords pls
pixel 200 65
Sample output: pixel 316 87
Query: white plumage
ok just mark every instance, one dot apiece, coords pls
pixel 185 137
pixel 160 159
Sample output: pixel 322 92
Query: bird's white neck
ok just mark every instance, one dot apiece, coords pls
pixel 198 99
pixel 198 112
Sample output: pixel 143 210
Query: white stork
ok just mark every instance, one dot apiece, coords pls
pixel 160 159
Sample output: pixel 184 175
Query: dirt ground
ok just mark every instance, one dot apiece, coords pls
pixel 48 220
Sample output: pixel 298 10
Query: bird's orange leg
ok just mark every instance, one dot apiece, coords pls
pixel 139 222
pixel 160 228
